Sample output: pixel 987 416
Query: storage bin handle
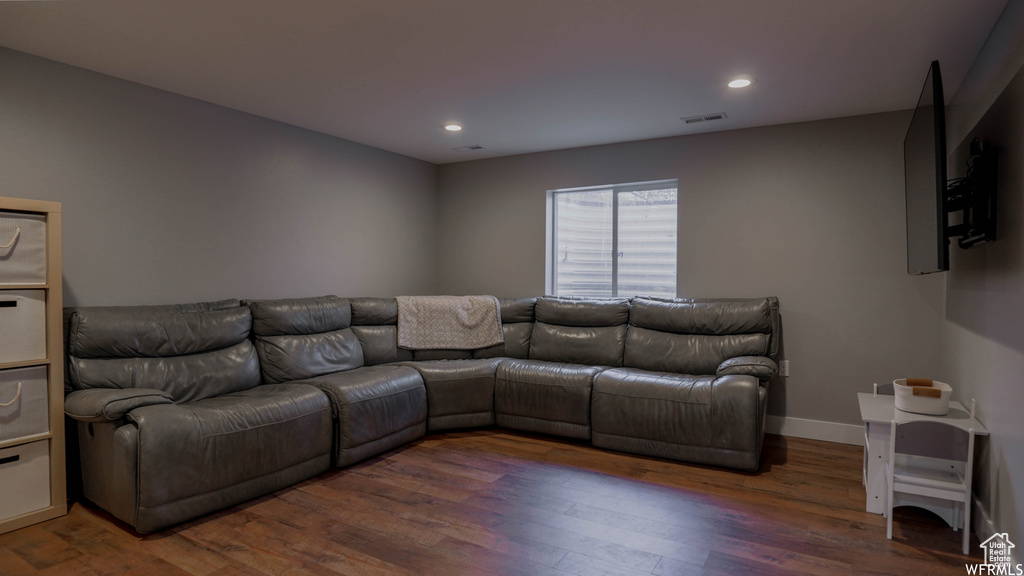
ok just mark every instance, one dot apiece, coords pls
pixel 16 396
pixel 17 232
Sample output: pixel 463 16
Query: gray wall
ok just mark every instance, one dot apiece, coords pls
pixel 169 199
pixel 812 213
pixel 983 328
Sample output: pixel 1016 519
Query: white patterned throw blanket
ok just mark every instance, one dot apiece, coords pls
pixel 448 322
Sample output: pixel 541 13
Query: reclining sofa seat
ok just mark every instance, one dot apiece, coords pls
pixel 173 419
pixel 572 341
pixel 310 341
pixel 693 385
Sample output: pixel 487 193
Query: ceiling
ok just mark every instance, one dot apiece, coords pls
pixel 520 75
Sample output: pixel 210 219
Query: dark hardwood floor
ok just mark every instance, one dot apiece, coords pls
pixel 496 502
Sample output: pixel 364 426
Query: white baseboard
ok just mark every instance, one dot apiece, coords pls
pixel 816 430
pixel 980 521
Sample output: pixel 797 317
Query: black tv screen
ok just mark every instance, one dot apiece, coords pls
pixel 924 158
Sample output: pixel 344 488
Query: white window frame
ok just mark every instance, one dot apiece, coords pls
pixel 551 248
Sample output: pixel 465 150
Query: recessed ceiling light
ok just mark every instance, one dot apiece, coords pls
pixel 453 127
pixel 741 82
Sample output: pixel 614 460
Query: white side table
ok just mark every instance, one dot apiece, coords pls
pixel 878 412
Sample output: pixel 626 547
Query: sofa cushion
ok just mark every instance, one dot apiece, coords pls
pixel 598 346
pixel 374 322
pixel 580 331
pixel 693 336
pixel 582 311
pixel 516 344
pixel 517 315
pixel 212 451
pixel 376 408
pixel 301 338
pixel 704 419
pixel 292 316
pixel 686 353
pixel 374 311
pixel 545 397
pixel 516 310
pixel 460 393
pixel 380 345
pixel 703 316
pixel 187 351
pixel 139 331
pixel 660 406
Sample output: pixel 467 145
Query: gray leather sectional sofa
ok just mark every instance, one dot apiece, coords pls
pixel 184 410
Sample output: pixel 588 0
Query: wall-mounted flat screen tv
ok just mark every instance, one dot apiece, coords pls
pixel 924 158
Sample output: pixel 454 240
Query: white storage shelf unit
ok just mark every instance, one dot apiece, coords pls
pixel 33 484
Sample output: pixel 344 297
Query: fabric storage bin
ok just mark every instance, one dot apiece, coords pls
pixel 22 325
pixel 922 396
pixel 22 248
pixel 23 403
pixel 24 479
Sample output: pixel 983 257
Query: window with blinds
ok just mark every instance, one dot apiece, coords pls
pixel 617 240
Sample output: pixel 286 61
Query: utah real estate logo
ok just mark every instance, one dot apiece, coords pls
pixel 998 558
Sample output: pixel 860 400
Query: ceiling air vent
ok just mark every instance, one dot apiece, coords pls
pixel 705 118
pixel 469 148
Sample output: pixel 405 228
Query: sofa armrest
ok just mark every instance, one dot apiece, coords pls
pixel 760 367
pixel 739 403
pixel 110 404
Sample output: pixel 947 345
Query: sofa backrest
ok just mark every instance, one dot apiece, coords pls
pixel 298 338
pixel 695 335
pixel 517 315
pixel 580 331
pixel 191 351
pixel 375 323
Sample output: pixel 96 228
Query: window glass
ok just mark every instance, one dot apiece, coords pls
pixel 614 240
pixel 584 243
pixel 647 243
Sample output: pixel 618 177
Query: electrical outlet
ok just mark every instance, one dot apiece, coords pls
pixel 784 368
